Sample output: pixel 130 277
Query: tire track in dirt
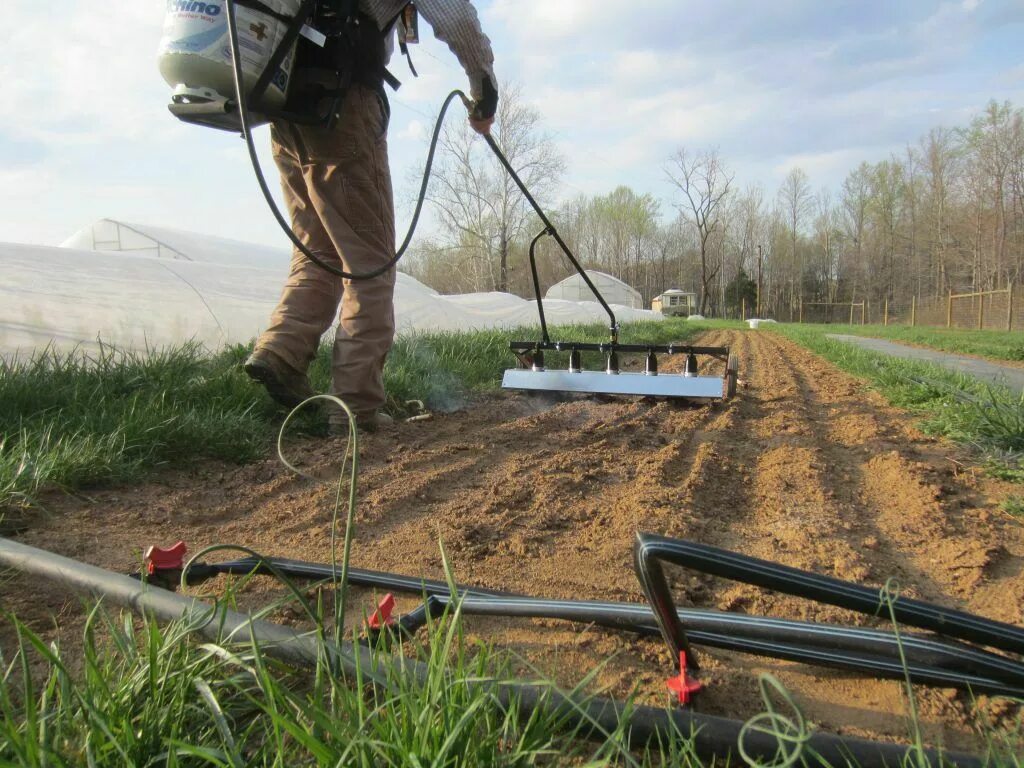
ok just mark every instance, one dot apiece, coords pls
pixel 544 496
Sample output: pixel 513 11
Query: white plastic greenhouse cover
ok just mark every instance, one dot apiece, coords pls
pixel 139 287
pixel 615 291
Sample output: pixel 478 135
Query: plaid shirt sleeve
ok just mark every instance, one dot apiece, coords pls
pixel 456 23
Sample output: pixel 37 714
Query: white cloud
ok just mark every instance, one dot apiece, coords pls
pixel 81 73
pixel 414 130
pixel 543 21
pixel 819 165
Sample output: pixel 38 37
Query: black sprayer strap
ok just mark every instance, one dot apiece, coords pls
pixel 270 71
pixel 243 112
pixel 350 7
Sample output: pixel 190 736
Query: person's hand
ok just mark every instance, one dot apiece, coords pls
pixel 483 126
pixel 481 113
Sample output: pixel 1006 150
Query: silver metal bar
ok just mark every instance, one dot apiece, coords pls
pixel 600 383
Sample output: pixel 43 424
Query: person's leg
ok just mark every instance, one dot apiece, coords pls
pixel 349 184
pixel 311 295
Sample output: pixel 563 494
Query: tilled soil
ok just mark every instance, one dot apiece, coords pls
pixel 805 467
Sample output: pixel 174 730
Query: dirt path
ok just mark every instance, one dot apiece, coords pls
pixel 805 467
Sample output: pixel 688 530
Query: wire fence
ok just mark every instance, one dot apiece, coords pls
pixel 998 310
pixel 851 312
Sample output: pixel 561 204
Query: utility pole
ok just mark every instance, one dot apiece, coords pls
pixel 759 281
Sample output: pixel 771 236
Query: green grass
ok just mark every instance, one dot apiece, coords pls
pixel 71 421
pixel 987 418
pixel 74 421
pixel 133 693
pixel 149 696
pixel 1013 505
pixel 997 345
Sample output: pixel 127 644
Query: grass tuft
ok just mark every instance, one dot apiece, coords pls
pixel 147 695
pixel 1013 505
pixel 75 420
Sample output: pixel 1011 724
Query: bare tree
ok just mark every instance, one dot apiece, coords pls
pixel 856 197
pixel 939 158
pixel 704 182
pixel 480 207
pixel 795 200
pixel 825 228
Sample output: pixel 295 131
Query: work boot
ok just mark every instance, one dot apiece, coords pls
pixel 284 384
pixel 365 422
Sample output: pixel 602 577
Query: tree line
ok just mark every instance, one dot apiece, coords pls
pixel 944 214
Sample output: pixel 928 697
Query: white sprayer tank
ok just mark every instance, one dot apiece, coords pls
pixel 195 54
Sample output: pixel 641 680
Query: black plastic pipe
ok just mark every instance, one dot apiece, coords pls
pixel 650 549
pixel 713 737
pixel 877 652
pixel 536 285
pixel 357 577
pixel 848 656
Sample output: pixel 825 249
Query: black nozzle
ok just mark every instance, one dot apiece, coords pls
pixel 538 360
pixel 691 365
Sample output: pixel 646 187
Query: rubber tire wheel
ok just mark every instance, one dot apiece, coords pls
pixel 732 373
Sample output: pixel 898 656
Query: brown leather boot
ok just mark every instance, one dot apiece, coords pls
pixel 284 384
pixel 366 422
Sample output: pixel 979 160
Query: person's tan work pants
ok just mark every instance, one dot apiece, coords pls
pixel 337 186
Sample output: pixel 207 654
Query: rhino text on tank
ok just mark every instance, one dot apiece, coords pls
pixel 193 6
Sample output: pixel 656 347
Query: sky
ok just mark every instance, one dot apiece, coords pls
pixel 85 133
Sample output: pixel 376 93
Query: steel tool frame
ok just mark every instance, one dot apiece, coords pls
pixel 532 374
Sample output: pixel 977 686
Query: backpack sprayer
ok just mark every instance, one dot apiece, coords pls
pixel 236 64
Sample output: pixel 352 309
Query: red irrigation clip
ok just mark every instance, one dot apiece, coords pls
pixel 681 685
pixel 382 616
pixel 170 559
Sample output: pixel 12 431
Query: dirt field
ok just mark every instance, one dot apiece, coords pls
pixel 805 467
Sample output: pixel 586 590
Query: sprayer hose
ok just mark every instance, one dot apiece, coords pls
pixel 243 112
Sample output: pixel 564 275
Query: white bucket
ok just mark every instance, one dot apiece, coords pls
pixel 195 54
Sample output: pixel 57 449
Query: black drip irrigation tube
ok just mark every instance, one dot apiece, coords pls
pixel 650 551
pixel 878 653
pixel 713 737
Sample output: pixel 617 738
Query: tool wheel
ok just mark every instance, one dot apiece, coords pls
pixel 732 374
